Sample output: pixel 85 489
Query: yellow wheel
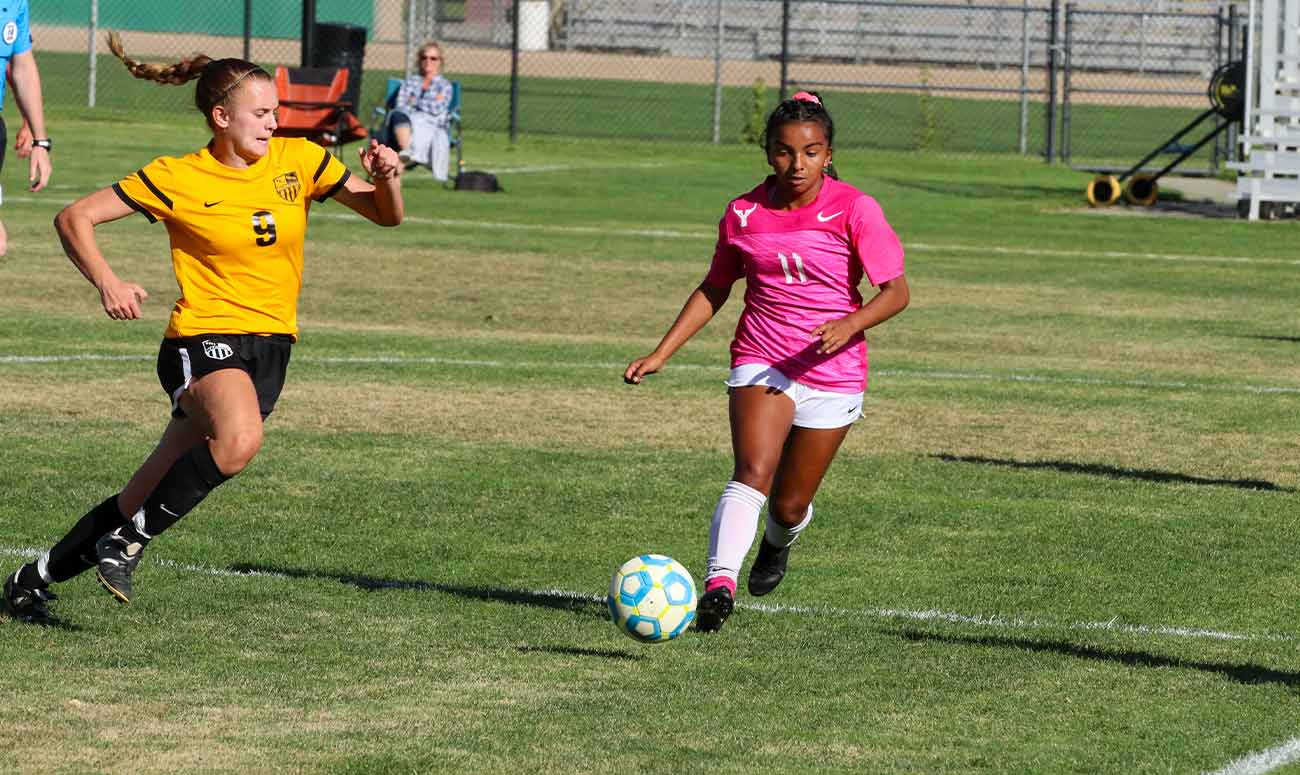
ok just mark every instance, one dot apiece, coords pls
pixel 1103 191
pixel 1142 190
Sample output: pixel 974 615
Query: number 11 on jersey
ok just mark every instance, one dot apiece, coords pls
pixel 785 267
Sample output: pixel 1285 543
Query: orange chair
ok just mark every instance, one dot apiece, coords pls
pixel 312 106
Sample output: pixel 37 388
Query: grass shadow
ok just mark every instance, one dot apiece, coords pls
pixel 1114 472
pixel 985 189
pixel 579 652
pixel 556 600
pixel 52 623
pixel 1252 675
pixel 1271 338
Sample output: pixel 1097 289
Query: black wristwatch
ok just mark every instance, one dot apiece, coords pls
pixel 45 143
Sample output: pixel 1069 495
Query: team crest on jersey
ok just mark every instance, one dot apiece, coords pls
pixel 217 351
pixel 287 186
pixel 10 33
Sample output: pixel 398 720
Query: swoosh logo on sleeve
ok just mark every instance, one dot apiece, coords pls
pixel 825 218
pixel 219 201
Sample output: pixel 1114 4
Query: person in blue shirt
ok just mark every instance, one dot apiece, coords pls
pixel 16 56
pixel 420 122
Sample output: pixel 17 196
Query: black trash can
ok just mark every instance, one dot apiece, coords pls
pixel 341 45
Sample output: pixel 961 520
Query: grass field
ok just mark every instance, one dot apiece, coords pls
pixel 1060 541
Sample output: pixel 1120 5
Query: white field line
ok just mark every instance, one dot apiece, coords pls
pixel 995 622
pixel 1259 762
pixel 644 165
pixel 712 235
pixel 913 374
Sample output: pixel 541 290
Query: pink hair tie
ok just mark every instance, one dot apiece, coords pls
pixel 804 96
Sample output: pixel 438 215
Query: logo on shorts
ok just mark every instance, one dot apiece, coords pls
pixel 287 186
pixel 217 351
pixel 10 33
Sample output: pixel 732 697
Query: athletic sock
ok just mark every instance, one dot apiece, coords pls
pixel 779 535
pixel 735 523
pixel 186 485
pixel 75 552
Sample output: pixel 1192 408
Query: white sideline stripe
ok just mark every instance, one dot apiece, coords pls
pixel 931 615
pixel 1259 762
pixel 917 374
pixel 710 235
pixel 644 165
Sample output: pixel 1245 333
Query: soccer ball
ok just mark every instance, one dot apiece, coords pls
pixel 652 598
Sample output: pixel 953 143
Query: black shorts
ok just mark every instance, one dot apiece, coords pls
pixel 264 358
pixel 4 141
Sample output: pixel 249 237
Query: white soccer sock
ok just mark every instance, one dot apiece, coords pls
pixel 735 523
pixel 779 535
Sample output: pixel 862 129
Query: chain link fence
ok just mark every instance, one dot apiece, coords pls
pixel 1133 79
pixel 943 76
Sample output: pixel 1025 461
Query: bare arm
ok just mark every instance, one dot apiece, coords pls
pixel 27 92
pixel 703 303
pixel 380 202
pixel 76 227
pixel 892 299
pixel 22 140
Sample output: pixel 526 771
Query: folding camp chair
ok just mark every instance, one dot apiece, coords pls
pixel 379 128
pixel 312 106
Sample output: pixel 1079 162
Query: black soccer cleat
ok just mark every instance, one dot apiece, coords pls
pixel 768 568
pixel 713 609
pixel 117 558
pixel 27 604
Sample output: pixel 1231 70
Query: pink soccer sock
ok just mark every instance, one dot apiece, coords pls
pixel 735 523
pixel 711 584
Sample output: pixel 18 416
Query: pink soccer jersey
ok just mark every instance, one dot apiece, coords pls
pixel 802 268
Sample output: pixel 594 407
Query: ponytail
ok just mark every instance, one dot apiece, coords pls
pixel 218 78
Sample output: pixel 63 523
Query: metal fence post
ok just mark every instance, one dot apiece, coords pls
pixel 1024 78
pixel 785 46
pixel 248 30
pixel 308 32
pixel 1065 86
pixel 92 47
pixel 1052 16
pixel 717 76
pixel 410 38
pixel 1234 53
pixel 514 74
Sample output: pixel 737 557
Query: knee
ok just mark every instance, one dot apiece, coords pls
pixel 234 451
pixel 754 473
pixel 787 510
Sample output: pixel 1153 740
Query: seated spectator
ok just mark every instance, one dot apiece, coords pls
pixel 419 123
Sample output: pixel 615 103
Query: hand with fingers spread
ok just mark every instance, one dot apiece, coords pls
pixel 380 162
pixel 641 368
pixel 122 300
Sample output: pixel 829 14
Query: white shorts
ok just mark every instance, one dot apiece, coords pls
pixel 813 408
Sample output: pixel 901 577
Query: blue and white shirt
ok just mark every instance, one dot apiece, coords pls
pixel 15 34
pixel 435 100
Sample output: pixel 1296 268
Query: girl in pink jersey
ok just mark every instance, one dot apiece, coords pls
pixel 803 241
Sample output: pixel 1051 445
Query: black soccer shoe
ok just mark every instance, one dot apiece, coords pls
pixel 713 609
pixel 26 604
pixel 768 568
pixel 117 558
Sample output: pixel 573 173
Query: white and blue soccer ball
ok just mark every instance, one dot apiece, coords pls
pixel 652 598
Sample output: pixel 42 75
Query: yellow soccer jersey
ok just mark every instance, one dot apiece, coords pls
pixel 236 234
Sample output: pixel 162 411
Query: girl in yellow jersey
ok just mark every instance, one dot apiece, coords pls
pixel 236 215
